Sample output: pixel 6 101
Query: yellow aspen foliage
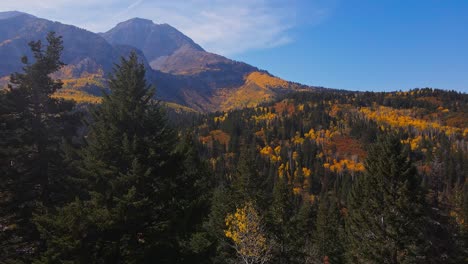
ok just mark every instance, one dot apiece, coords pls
pixel 310 134
pixel 295 155
pixel 221 118
pixel 245 229
pixel 297 190
pixel 398 118
pixel 413 142
pixel 268 116
pixel 267 150
pixel 77 96
pixel 278 150
pixel 320 155
pixel 341 165
pixel 281 169
pixel 306 172
pixel 274 158
pixel 298 139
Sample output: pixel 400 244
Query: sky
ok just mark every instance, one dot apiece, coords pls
pixel 382 45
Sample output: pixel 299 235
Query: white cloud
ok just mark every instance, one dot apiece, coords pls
pixel 222 26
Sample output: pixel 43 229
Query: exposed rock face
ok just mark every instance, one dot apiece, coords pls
pixel 180 69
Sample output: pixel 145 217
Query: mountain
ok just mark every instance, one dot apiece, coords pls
pixel 157 41
pixel 181 70
pixel 205 81
pixel 87 50
pixel 10 14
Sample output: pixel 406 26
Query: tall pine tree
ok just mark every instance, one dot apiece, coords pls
pixel 329 236
pixel 33 126
pixel 386 220
pixel 138 187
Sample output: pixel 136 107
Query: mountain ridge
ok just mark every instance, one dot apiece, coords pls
pixel 182 71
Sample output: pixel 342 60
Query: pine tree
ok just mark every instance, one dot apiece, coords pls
pixel 193 201
pixel 213 240
pixel 248 184
pixel 329 236
pixel 302 232
pixel 135 183
pixel 33 127
pixel 279 218
pixel 386 221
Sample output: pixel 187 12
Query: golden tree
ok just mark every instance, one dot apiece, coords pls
pixel 245 229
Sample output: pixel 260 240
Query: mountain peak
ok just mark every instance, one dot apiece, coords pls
pixel 11 14
pixel 155 40
pixel 137 21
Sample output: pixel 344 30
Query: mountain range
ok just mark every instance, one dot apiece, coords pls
pixel 180 69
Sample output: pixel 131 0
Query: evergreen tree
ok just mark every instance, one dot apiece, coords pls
pixel 329 236
pixel 195 186
pixel 136 182
pixel 213 240
pixel 248 184
pixel 280 216
pixel 33 126
pixel 386 221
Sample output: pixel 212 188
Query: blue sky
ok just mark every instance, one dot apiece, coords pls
pixel 348 44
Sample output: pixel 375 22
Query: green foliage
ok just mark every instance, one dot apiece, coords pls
pixel 142 196
pixel 386 221
pixel 330 230
pixel 32 166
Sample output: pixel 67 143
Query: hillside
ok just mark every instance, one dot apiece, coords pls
pixel 179 68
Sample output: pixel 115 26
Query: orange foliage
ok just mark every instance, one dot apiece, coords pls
pixel 265 80
pixel 457 120
pixel 347 146
pixel 216 135
pixel 285 106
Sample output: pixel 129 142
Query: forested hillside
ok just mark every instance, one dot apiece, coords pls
pixel 324 176
pixel 323 162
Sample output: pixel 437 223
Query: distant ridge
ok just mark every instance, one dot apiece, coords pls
pixel 10 14
pixel 181 70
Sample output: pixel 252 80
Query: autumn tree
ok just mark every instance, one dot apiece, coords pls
pixel 249 239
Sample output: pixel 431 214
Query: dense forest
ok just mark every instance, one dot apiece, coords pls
pixel 325 176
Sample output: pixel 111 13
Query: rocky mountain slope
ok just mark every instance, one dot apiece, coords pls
pixel 181 70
